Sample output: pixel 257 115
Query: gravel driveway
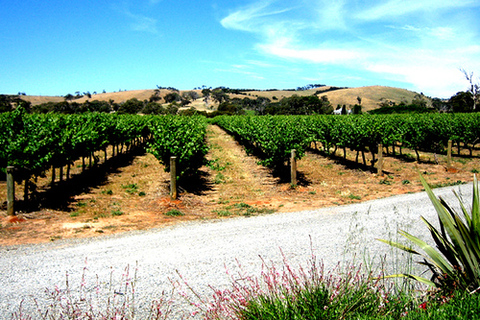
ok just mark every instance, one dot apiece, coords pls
pixel 201 250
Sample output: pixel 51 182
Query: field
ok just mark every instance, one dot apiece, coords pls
pixel 131 192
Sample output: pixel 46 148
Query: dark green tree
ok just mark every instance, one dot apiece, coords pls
pixel 131 106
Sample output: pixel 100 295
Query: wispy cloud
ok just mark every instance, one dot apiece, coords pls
pixel 138 22
pixel 417 42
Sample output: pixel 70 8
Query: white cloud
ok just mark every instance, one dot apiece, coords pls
pixel 423 45
pixel 138 22
pixel 315 55
pixel 251 17
pixel 397 8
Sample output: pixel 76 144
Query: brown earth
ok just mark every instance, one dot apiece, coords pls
pixel 131 192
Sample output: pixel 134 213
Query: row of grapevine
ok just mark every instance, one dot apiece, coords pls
pixel 425 132
pixel 35 142
pixel 275 136
pixel 182 137
pixel 272 136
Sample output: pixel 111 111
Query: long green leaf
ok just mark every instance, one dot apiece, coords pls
pixel 432 254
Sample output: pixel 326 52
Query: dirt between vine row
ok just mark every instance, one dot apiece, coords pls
pixel 132 192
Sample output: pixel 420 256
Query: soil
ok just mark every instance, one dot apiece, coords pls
pixel 131 191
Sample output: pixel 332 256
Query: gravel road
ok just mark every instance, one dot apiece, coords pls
pixel 201 250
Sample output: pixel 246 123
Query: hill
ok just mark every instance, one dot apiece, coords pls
pixel 370 96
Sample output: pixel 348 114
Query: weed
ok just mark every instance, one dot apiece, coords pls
pixel 404 182
pixel 215 165
pixel 223 213
pixel 108 191
pixel 312 192
pixel 462 161
pixel 354 197
pixel 474 171
pixel 241 205
pixel 219 178
pixel 446 184
pixel 74 214
pixel 142 194
pixel 116 213
pixel 81 204
pixel 385 181
pixel 131 188
pixel 174 213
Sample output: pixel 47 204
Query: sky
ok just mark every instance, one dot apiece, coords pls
pixel 57 47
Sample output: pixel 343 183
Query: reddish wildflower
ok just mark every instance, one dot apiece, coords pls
pixel 423 306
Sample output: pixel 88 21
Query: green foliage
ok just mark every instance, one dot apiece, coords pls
pixel 272 137
pixel 455 263
pixel 182 137
pixel 34 142
pixel 117 213
pixel 174 213
pixel 300 105
pixel 132 106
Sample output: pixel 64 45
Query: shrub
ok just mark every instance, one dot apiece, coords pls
pixel 455 264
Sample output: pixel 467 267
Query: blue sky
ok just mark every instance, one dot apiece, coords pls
pixel 57 47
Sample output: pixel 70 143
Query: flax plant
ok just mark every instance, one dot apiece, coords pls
pixel 455 259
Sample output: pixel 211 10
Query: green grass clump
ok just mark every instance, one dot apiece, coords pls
pixel 117 213
pixel 174 213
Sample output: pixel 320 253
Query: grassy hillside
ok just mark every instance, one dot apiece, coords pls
pixel 371 96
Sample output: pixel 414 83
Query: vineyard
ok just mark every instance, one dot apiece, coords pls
pixel 274 137
pixel 43 147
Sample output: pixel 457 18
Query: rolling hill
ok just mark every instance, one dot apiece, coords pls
pixel 371 96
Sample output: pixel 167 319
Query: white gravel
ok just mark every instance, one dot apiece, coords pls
pixel 201 250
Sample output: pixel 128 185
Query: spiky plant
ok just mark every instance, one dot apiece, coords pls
pixel 455 261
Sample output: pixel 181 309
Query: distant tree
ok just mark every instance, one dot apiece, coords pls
pixel 172 97
pixel 461 102
pixel 359 100
pixel 300 105
pixel 474 90
pixel 190 95
pixel 357 109
pixel 171 109
pixel 131 106
pixel 153 108
pixel 5 104
pixel 97 106
pixel 440 105
pixel 69 97
pixel 219 95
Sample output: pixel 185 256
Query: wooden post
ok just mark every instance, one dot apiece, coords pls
pixel 293 168
pixel 53 175
pixel 10 191
pixel 173 178
pixel 449 154
pixel 380 159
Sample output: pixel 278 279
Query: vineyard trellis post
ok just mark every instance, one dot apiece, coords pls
pixel 10 191
pixel 293 168
pixel 380 159
pixel 173 178
pixel 449 154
